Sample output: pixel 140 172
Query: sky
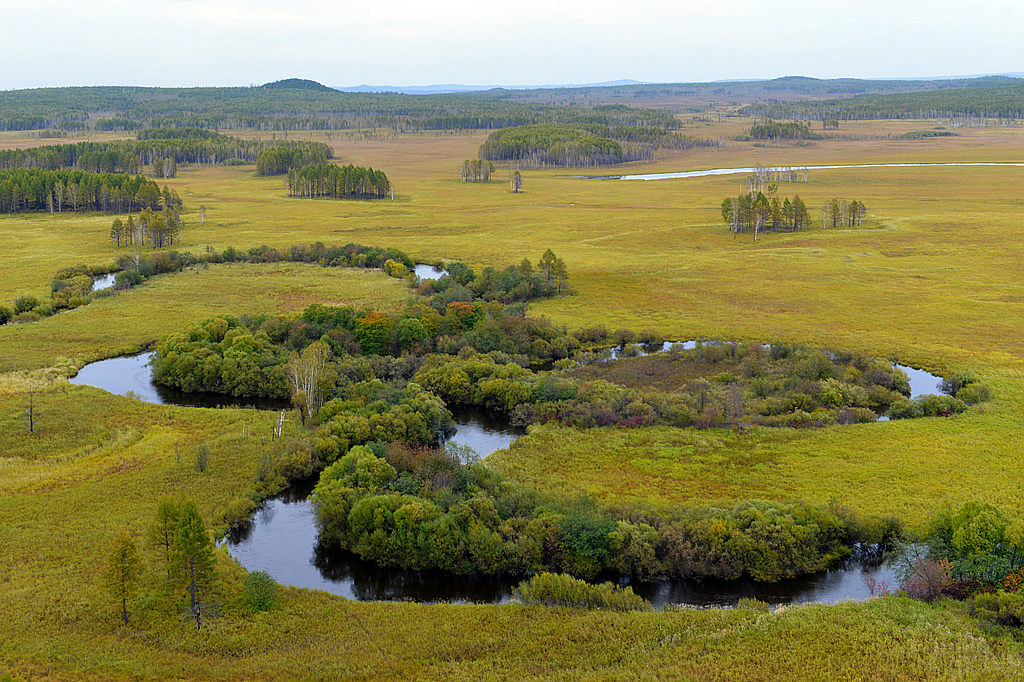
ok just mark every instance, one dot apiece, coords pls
pixel 508 42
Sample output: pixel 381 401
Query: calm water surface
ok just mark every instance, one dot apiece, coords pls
pixel 282 540
pixel 424 271
pixel 103 281
pixel 134 374
pixel 751 169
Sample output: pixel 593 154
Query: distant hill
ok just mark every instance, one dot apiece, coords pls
pixel 454 88
pixel 296 84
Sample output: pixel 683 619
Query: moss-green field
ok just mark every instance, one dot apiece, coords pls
pixel 934 278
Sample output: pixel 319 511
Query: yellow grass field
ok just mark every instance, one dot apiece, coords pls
pixel 934 278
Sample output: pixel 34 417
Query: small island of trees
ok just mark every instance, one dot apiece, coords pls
pixel 475 170
pixel 760 212
pixel 791 130
pixel 338 182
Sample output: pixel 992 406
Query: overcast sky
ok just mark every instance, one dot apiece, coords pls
pixel 509 42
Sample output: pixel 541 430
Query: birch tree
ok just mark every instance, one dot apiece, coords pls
pixel 307 374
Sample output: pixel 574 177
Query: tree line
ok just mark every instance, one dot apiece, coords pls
pixel 286 156
pixel 1005 101
pixel 289 108
pixel 185 145
pixel 161 229
pixel 774 130
pixel 59 190
pixel 420 508
pixel 339 182
pixel 581 144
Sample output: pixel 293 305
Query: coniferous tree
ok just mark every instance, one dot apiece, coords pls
pixel 117 231
pixel 164 528
pixel 192 563
pixel 122 574
pixel 548 264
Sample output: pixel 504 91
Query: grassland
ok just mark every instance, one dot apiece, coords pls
pixel 935 280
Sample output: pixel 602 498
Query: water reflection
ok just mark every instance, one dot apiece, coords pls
pixel 482 430
pixel 424 271
pixel 133 375
pixel 921 382
pixel 282 540
pixel 751 169
pixel 103 281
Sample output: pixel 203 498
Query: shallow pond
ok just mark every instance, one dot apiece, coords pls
pixel 424 271
pixel 735 171
pixel 282 540
pixel 103 281
pixel 921 382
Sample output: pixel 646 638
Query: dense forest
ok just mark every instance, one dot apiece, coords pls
pixel 295 104
pixel 153 147
pixel 1002 101
pixel 789 88
pixel 338 182
pixel 773 130
pixel 286 156
pixel 288 108
pixel 581 145
pixel 73 190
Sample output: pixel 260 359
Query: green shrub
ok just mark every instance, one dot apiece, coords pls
pixel 1004 608
pixel 904 408
pixel 259 591
pixel 558 589
pixel 939 405
pixel 5 315
pixel 44 310
pixel 23 304
pixel 974 394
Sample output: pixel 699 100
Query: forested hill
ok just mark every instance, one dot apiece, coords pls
pixel 789 88
pixel 298 104
pixel 297 84
pixel 1001 101
pixel 284 107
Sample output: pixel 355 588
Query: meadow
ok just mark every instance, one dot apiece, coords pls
pixel 933 278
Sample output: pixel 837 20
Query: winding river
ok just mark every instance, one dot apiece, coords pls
pixel 751 169
pixel 281 538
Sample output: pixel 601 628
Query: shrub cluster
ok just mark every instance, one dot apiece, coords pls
pixel 436 508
